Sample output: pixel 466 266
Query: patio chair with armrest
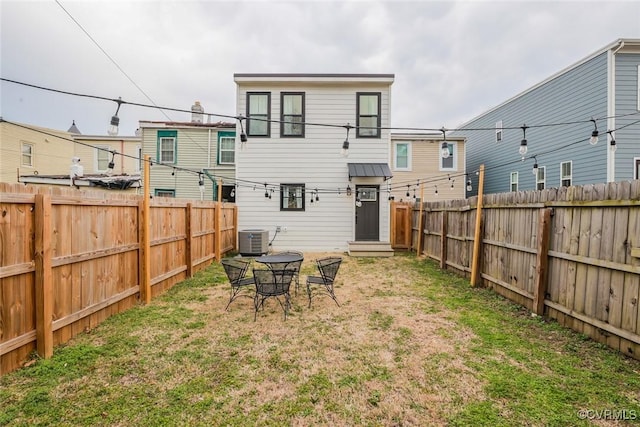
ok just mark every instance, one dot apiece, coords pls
pixel 293 266
pixel 241 285
pixel 328 268
pixel 272 284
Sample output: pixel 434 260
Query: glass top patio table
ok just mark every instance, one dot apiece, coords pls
pixel 281 259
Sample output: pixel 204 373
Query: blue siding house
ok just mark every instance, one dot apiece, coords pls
pixel 559 116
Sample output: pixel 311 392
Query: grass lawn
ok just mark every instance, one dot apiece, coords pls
pixel 409 346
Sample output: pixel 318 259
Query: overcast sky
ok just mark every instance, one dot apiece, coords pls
pixel 451 60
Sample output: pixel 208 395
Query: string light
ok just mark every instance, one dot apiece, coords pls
pixel 266 193
pixel 612 142
pixel 594 135
pixel 469 187
pixel 345 144
pixel 523 143
pixel 408 190
pixel 115 120
pixel 534 171
pixel 112 163
pixel 444 148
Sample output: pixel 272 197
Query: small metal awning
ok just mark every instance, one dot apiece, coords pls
pixel 369 170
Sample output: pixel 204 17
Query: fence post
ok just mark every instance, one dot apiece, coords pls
pixel 218 226
pixel 542 261
pixel 475 266
pixel 188 242
pixel 420 221
pixel 392 214
pixel 145 277
pixel 443 240
pixel 43 276
pixel 235 229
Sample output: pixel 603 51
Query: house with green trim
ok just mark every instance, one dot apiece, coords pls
pixel 185 153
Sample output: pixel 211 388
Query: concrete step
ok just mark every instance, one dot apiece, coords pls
pixel 370 249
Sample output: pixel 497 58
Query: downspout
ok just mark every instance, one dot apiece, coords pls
pixel 209 150
pixel 215 184
pixel 611 109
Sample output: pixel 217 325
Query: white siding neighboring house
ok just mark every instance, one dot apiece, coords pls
pixel 298 163
pixel 201 147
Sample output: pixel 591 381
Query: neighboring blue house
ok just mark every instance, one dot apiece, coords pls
pixel 604 87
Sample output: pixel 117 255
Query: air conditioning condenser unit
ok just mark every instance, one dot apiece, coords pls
pixel 253 242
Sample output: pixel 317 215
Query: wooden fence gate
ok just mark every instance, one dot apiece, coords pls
pixel 401 225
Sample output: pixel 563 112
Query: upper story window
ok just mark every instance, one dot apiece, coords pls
pixel 541 178
pixel 449 164
pixel 292 114
pixel 499 131
pixel 226 148
pixel 27 154
pixel 368 114
pixel 103 156
pixel 258 114
pixel 513 181
pixel 566 173
pixel 402 156
pixel 167 146
pixel 292 197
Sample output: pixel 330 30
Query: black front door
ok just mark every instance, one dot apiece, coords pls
pixel 367 213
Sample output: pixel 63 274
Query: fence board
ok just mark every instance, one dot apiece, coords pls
pixel 593 282
pixel 95 259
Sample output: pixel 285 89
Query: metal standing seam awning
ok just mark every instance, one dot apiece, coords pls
pixel 369 170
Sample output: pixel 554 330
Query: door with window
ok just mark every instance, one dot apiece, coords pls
pixel 367 213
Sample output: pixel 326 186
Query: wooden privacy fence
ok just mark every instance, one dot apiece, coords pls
pixel 70 259
pixel 572 253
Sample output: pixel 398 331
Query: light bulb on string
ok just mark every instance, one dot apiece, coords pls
pixel 469 187
pixel 444 148
pixel 115 120
pixel 612 143
pixel 594 134
pixel 523 143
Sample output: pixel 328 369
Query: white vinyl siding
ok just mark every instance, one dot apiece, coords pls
pixel 541 178
pixel 402 156
pixel 328 224
pixel 566 173
pixel 513 181
pixel 27 154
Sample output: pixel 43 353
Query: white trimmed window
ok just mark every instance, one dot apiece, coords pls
pixel 102 158
pixel 163 192
pixel 402 156
pixel 227 150
pixel 448 164
pixel 167 146
pixel 499 131
pixel 27 154
pixel 513 181
pixel 541 178
pixel 566 169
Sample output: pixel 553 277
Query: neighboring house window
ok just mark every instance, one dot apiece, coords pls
pixel 499 131
pixel 167 146
pixel 292 197
pixel 402 157
pixel 258 109
pixel 229 193
pixel 541 178
pixel 565 173
pixel 160 192
pixel 292 114
pixel 27 154
pixel 514 181
pixel 226 148
pixel 636 173
pixel 368 115
pixel 103 156
pixel 448 164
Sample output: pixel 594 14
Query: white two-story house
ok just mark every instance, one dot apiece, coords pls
pixel 294 176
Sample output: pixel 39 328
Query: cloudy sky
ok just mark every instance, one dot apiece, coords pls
pixel 451 60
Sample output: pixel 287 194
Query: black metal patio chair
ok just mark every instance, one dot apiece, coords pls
pixel 241 285
pixel 293 266
pixel 328 268
pixel 272 284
